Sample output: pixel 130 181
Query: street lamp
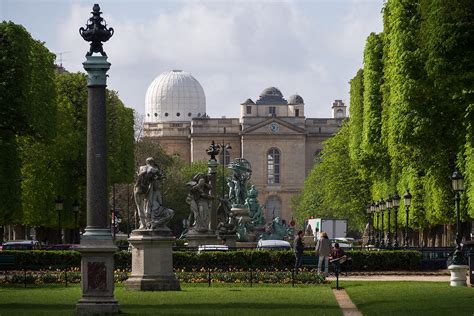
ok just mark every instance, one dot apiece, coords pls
pixel 458 186
pixel 382 209
pixel 377 230
pixel 59 205
pixel 396 205
pixel 75 210
pixel 388 203
pixel 407 201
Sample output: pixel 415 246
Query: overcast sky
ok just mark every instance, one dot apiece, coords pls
pixel 235 49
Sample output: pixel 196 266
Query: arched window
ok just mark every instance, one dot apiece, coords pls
pixel 272 208
pixel 225 155
pixel 273 166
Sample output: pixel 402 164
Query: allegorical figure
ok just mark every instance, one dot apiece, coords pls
pixel 255 210
pixel 241 173
pixel 226 220
pixel 199 200
pixel 148 197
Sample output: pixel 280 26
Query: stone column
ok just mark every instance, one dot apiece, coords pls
pixel 97 247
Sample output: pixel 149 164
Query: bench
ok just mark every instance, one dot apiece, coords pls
pixel 309 261
pixel 7 260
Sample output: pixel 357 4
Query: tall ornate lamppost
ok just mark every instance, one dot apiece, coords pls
pixel 388 204
pixel 97 247
pixel 382 237
pixel 407 201
pixel 458 265
pixel 396 205
pixel 368 225
pixel 377 229
pixel 59 205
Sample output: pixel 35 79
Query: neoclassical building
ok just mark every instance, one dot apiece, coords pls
pixel 272 133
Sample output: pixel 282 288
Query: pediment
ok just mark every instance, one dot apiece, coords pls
pixel 274 126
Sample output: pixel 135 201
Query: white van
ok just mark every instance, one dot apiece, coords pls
pixel 205 248
pixel 273 245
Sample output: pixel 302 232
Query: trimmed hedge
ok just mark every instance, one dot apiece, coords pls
pixel 240 259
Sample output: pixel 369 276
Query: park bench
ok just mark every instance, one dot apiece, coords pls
pixel 309 261
pixel 6 260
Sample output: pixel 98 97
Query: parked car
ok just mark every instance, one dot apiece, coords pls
pixel 205 248
pixel 273 245
pixel 21 245
pixel 64 247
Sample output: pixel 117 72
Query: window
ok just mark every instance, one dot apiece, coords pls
pixel 297 112
pixel 273 166
pixel 178 114
pixel 272 208
pixel 166 114
pixel 226 155
pixel 339 113
pixel 189 114
pixel 249 109
pixel 272 110
pixel 156 114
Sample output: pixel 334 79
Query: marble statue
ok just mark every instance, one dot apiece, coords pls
pixel 148 197
pixel 256 212
pixel 241 173
pixel 225 218
pixel 199 199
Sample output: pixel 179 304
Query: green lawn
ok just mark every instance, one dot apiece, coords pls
pixel 192 300
pixel 410 298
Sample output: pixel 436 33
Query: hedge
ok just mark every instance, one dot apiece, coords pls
pixel 240 259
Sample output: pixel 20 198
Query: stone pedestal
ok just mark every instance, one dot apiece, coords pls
pixel 230 239
pixel 152 261
pixel 196 239
pixel 241 211
pixel 458 274
pixel 97 267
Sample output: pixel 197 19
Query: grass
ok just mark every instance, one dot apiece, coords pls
pixel 192 300
pixel 410 298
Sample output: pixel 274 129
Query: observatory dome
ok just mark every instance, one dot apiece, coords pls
pixel 174 96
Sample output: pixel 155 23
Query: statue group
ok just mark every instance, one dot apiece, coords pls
pixel 148 197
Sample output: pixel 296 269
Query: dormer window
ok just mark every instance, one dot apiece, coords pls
pixel 249 109
pixel 297 112
pixel 272 110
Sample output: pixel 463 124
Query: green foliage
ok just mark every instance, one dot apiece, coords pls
pixel 357 116
pixel 373 152
pixel 239 259
pixel 334 188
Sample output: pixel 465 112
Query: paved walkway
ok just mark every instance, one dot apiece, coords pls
pixel 427 278
pixel 345 303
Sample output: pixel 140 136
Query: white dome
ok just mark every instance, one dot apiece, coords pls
pixel 174 96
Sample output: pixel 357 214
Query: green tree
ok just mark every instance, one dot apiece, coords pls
pixel 334 188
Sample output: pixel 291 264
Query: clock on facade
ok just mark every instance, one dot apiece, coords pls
pixel 274 127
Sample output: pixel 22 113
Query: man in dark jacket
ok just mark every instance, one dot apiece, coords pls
pixel 299 248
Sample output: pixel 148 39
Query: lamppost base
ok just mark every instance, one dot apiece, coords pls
pixel 458 275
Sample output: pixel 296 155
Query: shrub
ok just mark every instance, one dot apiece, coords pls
pixel 240 259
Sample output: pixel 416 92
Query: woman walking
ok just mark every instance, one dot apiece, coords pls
pixel 323 250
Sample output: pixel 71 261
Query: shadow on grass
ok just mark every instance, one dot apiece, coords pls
pixel 212 309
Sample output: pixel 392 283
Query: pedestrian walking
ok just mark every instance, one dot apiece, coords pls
pixel 299 248
pixel 323 250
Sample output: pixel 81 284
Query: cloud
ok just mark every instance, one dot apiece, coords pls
pixel 234 48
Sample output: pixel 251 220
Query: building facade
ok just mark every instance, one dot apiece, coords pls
pixel 272 133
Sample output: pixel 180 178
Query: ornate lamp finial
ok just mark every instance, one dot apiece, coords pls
pixel 96 32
